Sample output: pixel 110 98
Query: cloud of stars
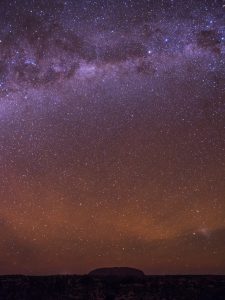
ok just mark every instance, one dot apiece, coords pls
pixel 112 136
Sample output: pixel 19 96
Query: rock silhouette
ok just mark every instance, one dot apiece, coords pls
pixel 117 271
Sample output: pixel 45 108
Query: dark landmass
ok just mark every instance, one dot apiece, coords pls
pixel 89 287
pixel 117 271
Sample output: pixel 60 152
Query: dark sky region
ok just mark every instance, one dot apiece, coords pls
pixel 112 136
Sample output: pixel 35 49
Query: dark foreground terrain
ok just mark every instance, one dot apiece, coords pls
pixel 112 287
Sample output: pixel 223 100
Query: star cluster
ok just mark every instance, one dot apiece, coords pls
pixel 112 136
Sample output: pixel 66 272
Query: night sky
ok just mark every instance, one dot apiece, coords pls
pixel 112 136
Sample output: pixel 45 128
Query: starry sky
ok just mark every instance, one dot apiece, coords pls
pixel 112 136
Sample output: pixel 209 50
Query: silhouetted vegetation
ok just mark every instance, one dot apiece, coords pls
pixel 112 287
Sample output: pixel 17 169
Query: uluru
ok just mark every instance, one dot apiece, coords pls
pixel 117 271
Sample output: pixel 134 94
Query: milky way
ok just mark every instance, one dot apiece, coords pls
pixel 112 136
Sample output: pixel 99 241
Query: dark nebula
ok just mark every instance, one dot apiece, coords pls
pixel 112 136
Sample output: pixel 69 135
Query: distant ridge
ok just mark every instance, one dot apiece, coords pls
pixel 117 271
